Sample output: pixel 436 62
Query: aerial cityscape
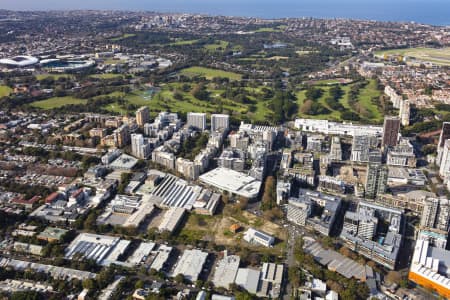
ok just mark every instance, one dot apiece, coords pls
pixel 183 154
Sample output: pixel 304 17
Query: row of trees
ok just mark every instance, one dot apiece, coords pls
pixel 269 200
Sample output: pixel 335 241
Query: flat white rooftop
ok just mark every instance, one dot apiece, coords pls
pixel 171 219
pixel 162 256
pixel 141 253
pixel 248 279
pixel 232 181
pixel 92 246
pixel 226 271
pixel 191 264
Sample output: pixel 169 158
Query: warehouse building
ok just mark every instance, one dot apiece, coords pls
pixel 191 264
pixel 175 192
pixel 236 183
pixel 172 219
pixel 226 271
pixel 101 248
pixel 161 256
pixel 248 279
pixel 141 253
pixel 126 211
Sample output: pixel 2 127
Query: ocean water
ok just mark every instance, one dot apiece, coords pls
pixel 436 12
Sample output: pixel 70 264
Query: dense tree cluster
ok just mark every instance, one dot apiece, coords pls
pixel 191 146
pixel 284 106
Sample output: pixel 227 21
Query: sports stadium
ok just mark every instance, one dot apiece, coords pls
pixel 21 61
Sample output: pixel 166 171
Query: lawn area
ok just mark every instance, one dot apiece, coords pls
pixel 113 94
pixel 262 113
pixel 210 73
pixel 219 46
pixel 237 48
pixel 333 115
pixel 366 94
pixel 365 97
pixel 56 102
pixel 436 56
pixel 164 100
pixel 114 107
pixel 106 75
pixel 122 37
pixel 183 42
pixel 331 81
pixel 139 98
pixel 54 76
pixel 5 91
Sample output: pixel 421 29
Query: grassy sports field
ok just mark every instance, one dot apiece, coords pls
pixel 56 102
pixel 5 90
pixel 436 56
pixel 210 73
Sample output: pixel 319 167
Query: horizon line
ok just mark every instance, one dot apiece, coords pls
pixel 223 15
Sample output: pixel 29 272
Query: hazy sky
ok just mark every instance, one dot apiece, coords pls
pixel 433 11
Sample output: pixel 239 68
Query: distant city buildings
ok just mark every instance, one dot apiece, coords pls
pixel 187 168
pixel 376 179
pixel 335 128
pixel 403 105
pixel 391 128
pixel 142 115
pixel 443 137
pixel 54 153
pixel 220 122
pixel 164 158
pixel 362 234
pixel 197 120
pixel 121 136
pixel 233 159
pixel 436 214
pixel 336 149
pixel 140 148
pixel 402 155
pixel 444 169
pixel 361 147
pixel 301 210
